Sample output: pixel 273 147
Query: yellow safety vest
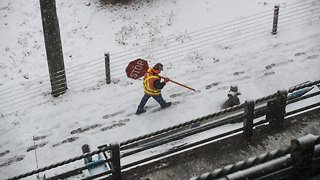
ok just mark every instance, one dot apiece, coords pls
pixel 148 84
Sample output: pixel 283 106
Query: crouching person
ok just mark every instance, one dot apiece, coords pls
pixel 233 98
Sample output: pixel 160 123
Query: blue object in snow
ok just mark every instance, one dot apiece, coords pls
pixel 94 164
pixel 97 166
pixel 298 93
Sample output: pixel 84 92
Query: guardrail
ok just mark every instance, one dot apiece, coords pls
pixel 300 160
pixel 113 149
pixel 272 106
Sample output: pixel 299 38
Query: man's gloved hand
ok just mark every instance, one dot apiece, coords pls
pixel 166 79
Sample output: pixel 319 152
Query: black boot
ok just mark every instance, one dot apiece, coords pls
pixel 168 104
pixel 140 111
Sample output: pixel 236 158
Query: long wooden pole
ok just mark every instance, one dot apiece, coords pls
pixel 182 85
pixel 179 84
pixel 175 82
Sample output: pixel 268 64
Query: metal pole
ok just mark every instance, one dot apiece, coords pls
pixel 275 19
pixel 115 161
pixel 53 46
pixel 277 109
pixel 302 155
pixel 86 149
pixel 107 67
pixel 35 153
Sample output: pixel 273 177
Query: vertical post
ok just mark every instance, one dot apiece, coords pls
pixel 115 160
pixel 248 120
pixel 275 20
pixel 277 109
pixel 107 67
pixel 53 45
pixel 35 153
pixel 86 149
pixel 302 155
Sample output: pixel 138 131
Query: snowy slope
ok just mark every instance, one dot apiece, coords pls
pixel 207 45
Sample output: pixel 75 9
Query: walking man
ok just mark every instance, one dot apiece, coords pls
pixel 152 88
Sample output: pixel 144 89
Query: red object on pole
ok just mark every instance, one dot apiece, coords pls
pixel 137 68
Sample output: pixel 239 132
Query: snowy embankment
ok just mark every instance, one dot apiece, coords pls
pixel 199 44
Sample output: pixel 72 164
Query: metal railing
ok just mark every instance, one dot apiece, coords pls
pixel 272 106
pixel 300 160
pixel 114 160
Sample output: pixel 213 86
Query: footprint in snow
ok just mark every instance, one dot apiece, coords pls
pixel 284 62
pixel 312 57
pixel 37 138
pixel 124 120
pixel 223 88
pixel 243 78
pixel 278 64
pixel 212 85
pixel 299 54
pixel 13 160
pixel 176 95
pixel 37 146
pixel 269 73
pixel 238 73
pixel 4 153
pixel 270 66
pixel 69 140
pixel 84 129
pixel 119 124
pixel 113 114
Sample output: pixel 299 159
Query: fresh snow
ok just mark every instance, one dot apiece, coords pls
pixel 208 45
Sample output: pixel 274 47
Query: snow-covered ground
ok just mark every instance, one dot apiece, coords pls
pixel 207 45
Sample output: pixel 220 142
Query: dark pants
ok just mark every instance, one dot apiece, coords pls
pixel 146 97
